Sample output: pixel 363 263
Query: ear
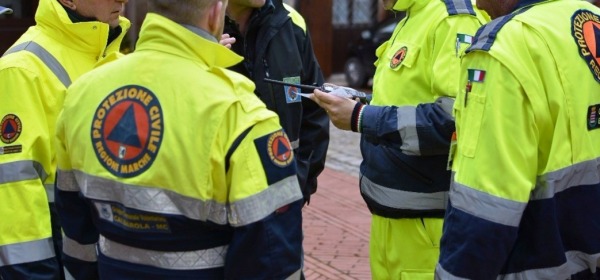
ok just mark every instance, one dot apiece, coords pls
pixel 69 4
pixel 215 15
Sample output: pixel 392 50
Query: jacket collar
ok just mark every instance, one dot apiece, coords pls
pixel 525 3
pixel 410 5
pixel 89 36
pixel 195 44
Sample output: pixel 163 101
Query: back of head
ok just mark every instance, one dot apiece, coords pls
pixel 181 11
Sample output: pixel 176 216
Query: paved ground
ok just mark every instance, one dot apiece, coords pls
pixel 337 222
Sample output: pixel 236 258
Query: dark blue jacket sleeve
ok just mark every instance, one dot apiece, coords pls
pixel 77 223
pixel 422 130
pixel 268 249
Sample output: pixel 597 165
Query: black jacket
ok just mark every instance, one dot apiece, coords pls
pixel 277 47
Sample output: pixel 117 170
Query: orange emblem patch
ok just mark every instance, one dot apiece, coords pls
pixel 398 57
pixel 586 32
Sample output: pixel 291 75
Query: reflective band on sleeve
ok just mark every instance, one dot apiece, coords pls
pixel 442 274
pixel 580 174
pixel 295 144
pixel 26 252
pixel 21 171
pixel 189 260
pixel 399 199
pixel 263 204
pixel 49 192
pixel 483 205
pixel 295 275
pixel 66 181
pixel 50 61
pixel 407 126
pixel 576 262
pixel 72 248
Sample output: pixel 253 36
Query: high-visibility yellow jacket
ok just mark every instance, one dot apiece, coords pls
pixel 408 130
pixel 34 75
pixel 178 165
pixel 524 201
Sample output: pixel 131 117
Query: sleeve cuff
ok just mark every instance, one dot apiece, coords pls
pixel 355 121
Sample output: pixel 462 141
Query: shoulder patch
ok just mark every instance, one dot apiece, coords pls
pixel 459 7
pixel 127 131
pixel 585 29
pixel 277 155
pixel 10 128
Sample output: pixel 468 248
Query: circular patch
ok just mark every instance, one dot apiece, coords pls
pixel 127 131
pixel 398 57
pixel 293 92
pixel 10 128
pixel 586 32
pixel 280 149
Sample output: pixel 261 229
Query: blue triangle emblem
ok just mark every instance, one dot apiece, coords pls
pixel 126 132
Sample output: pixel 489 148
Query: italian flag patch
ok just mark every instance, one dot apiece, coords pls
pixel 464 38
pixel 476 75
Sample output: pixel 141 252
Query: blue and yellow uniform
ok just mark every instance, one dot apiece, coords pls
pixel 524 200
pixel 34 75
pixel 175 169
pixel 406 132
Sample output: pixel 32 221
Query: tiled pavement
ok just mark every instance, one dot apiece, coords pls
pixel 337 221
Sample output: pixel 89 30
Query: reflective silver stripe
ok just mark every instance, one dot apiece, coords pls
pixel 407 126
pixel 66 181
pixel 164 201
pixel 447 104
pixel 21 171
pixel 49 192
pixel 295 144
pixel 261 205
pixel 50 61
pixel 576 262
pixel 484 35
pixel 26 252
pixel 295 275
pixel 462 7
pixel 486 206
pixel 399 199
pixel 583 173
pixel 72 248
pixel 442 274
pixel 200 259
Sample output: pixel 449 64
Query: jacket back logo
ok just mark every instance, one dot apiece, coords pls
pixel 127 131
pixel 585 29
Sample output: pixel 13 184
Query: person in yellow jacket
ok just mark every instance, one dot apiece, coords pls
pixel 406 132
pixel 69 39
pixel 525 195
pixel 171 165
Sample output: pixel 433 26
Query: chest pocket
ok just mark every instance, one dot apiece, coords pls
pixel 469 108
pixel 402 55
